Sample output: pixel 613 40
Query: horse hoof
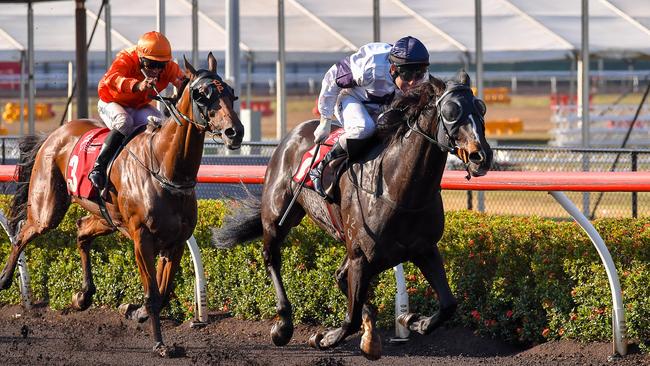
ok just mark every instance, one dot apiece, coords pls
pixel 406 319
pixel 314 341
pixel 164 351
pixel 281 333
pixel 126 310
pixel 370 346
pixel 79 303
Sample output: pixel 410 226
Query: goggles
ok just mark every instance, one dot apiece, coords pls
pixel 153 64
pixel 409 73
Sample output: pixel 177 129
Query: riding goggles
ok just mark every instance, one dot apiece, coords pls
pixel 412 72
pixel 152 64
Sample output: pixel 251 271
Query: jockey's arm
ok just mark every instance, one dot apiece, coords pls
pixel 350 72
pixel 115 76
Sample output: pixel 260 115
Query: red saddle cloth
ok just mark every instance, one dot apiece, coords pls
pixel 81 161
pixel 304 168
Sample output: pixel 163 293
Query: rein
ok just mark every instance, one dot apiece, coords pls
pixel 213 81
pixel 164 182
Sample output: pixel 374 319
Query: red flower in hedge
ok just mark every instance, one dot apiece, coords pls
pixel 476 315
pixel 509 314
pixel 546 332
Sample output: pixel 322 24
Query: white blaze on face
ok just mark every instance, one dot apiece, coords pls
pixel 474 128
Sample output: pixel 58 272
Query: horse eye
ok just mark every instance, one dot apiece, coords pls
pixel 480 106
pixel 451 111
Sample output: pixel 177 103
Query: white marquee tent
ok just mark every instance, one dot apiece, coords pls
pixel 513 30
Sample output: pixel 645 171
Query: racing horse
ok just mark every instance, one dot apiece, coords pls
pixel 151 199
pixel 388 208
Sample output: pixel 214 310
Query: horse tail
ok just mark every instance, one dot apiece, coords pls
pixel 28 147
pixel 242 225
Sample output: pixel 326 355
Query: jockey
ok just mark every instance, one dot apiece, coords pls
pixel 125 94
pixel 357 89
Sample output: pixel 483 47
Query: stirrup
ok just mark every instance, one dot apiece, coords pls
pixel 316 176
pixel 97 179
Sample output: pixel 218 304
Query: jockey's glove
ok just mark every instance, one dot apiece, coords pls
pixel 323 130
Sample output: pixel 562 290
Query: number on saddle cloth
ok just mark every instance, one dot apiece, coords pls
pixel 82 159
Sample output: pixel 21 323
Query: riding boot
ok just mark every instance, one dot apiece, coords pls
pixel 97 176
pixel 316 174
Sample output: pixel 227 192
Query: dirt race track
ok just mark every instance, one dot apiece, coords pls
pixel 103 337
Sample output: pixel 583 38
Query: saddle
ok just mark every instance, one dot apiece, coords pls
pixel 335 169
pixel 82 159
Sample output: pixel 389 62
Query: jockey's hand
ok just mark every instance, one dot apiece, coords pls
pixel 323 130
pixel 146 84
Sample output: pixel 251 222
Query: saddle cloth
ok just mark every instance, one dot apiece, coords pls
pixel 81 161
pixel 304 167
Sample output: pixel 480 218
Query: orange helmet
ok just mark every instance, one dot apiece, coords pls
pixel 154 46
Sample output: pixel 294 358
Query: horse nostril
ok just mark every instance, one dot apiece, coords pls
pixel 476 157
pixel 230 132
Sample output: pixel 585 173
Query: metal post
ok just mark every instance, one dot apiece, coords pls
pixel 160 27
pixel 401 302
pixel 618 309
pixel 478 35
pixel 634 159
pixel 160 16
pixel 31 91
pixel 21 103
pixel 281 113
pixel 583 94
pixel 82 59
pixel 200 299
pixel 232 45
pixel 108 57
pixel 70 89
pixel 249 78
pixel 195 33
pixel 376 19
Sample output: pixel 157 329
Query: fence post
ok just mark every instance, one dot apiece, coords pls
pixel 634 163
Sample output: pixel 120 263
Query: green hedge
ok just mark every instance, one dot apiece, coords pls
pixel 524 280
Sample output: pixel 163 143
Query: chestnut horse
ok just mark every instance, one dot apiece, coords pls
pixel 388 208
pixel 151 198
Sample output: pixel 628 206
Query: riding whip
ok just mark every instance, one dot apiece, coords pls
pixel 302 183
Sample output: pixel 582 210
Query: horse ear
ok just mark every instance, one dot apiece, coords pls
pixel 212 63
pixel 463 78
pixel 189 69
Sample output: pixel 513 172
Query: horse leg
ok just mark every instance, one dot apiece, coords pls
pixel 47 204
pixel 432 268
pixel 89 227
pixel 359 277
pixel 145 258
pixel 168 265
pixel 282 330
pixel 370 340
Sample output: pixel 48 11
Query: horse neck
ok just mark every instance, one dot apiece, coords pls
pixel 179 149
pixel 415 167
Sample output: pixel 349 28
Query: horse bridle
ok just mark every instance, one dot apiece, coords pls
pixel 205 92
pixel 447 124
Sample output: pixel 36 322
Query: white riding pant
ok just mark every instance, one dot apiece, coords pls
pixel 125 119
pixel 358 119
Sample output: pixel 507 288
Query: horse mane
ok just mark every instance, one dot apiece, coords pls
pixel 412 105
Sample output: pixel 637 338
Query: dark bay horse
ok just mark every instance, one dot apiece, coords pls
pixel 389 208
pixel 151 199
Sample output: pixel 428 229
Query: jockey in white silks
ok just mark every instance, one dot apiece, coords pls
pixel 359 87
